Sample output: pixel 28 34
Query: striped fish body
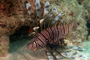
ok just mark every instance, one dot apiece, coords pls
pixel 50 35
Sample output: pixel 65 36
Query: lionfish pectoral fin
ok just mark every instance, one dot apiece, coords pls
pixel 76 48
pixel 75 54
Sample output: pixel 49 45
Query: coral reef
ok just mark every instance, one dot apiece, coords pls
pixel 13 15
pixel 86 4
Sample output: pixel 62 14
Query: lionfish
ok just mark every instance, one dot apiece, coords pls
pixel 49 32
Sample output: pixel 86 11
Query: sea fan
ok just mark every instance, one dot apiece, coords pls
pixel 49 29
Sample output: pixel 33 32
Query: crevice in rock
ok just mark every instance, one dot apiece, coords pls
pixel 19 33
pixel 88 26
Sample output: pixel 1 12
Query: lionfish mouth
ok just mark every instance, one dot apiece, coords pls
pixel 32 48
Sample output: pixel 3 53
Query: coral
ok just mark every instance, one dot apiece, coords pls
pixel 86 5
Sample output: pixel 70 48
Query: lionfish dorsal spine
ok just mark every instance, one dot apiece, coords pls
pixel 28 6
pixel 57 17
pixel 46 8
pixel 53 10
pixel 38 7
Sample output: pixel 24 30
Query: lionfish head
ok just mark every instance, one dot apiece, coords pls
pixel 32 45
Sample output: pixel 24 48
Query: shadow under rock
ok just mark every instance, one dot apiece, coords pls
pixel 17 43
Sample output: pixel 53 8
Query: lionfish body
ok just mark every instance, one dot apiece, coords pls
pixel 50 35
pixel 50 29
